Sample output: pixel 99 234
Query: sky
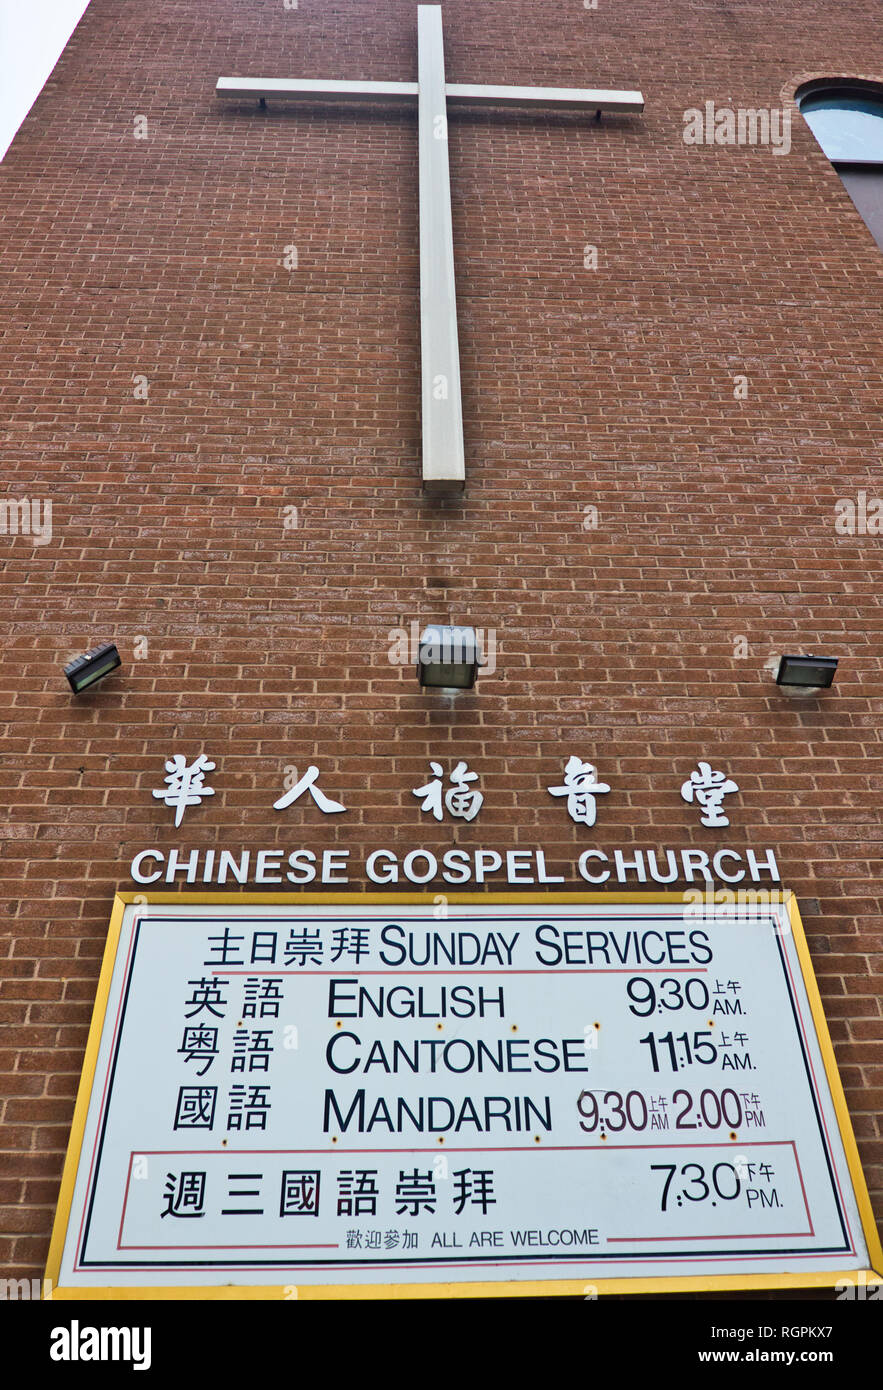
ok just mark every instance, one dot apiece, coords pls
pixel 33 34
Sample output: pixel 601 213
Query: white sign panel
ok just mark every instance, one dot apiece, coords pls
pixel 313 1092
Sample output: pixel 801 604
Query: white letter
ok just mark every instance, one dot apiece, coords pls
pixel 769 864
pixel 514 870
pixel 173 867
pixel 135 870
pixel 60 1347
pixel 724 127
pixel 398 647
pixel 693 126
pixel 265 858
pixel 695 859
pixel 304 872
pixel 489 653
pixel 141 1357
pixel 489 859
pixel 455 863
pixel 41 534
pixel 391 870
pixel 330 866
pixel 583 866
pixel 408 866
pixel 845 523
pixel 623 865
pixel 783 144
pixel 542 876
pixel 716 865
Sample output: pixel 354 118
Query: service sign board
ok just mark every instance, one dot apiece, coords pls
pixel 308 1096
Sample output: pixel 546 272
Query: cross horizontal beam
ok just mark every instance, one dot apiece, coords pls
pixel 407 93
pixel 444 465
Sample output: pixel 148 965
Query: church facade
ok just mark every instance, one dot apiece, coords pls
pixel 670 338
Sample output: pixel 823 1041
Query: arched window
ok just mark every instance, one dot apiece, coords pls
pixel 847 121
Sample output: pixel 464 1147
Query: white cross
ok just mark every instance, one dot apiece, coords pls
pixel 444 464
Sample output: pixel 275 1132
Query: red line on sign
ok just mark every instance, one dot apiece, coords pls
pixel 803 1191
pixel 748 1235
pixel 330 1246
pixel 501 970
pixel 409 1149
pixel 116 1026
pixel 611 1240
pixel 125 1201
pixel 522 1263
pixel 472 1149
pixel 802 1027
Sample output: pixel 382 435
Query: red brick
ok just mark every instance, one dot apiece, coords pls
pixel 610 388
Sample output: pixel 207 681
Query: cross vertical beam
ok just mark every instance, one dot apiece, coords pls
pixel 444 465
pixel 444 461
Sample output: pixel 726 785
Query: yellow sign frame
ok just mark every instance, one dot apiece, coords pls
pixel 662 1284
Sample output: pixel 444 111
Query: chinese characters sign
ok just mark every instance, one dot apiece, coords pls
pixel 308 1093
pixel 185 786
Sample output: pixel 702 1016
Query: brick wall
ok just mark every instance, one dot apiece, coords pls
pixel 640 644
